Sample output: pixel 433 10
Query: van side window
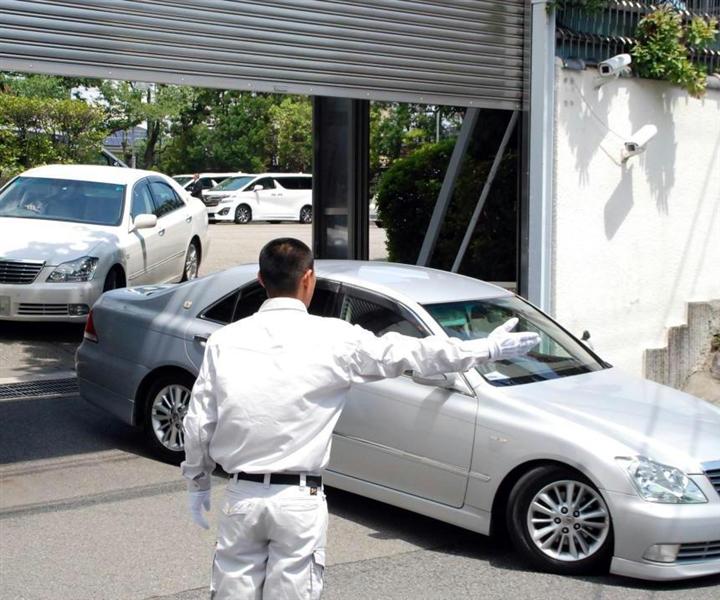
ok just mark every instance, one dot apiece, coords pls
pixel 268 183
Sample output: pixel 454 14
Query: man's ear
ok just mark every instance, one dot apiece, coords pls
pixel 260 279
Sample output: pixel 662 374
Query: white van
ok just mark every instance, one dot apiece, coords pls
pixel 264 197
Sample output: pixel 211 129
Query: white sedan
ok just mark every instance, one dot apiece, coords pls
pixel 70 232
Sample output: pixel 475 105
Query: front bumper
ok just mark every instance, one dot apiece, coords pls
pixel 42 301
pixel 639 524
pixel 221 213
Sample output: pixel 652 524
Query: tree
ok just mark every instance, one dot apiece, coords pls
pixel 38 131
pixel 291 122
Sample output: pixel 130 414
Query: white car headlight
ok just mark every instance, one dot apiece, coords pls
pixel 660 483
pixel 82 269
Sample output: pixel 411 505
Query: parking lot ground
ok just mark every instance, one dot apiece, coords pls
pixel 48 349
pixel 85 513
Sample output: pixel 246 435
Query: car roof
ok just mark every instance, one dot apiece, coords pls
pixel 418 284
pixel 97 173
pixel 421 284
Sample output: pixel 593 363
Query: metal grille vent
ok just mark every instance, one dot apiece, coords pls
pixel 28 389
pixel 714 477
pixel 699 551
pixel 19 271
pixel 43 309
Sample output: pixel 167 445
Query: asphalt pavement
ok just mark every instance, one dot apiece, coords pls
pixel 86 514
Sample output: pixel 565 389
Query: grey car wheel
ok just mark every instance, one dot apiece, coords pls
pixel 166 404
pixel 306 214
pixel 560 521
pixel 243 214
pixel 192 262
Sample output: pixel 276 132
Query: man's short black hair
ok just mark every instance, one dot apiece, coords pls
pixel 283 262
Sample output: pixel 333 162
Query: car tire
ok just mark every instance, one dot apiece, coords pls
pixel 166 403
pixel 558 520
pixel 243 214
pixel 305 214
pixel 191 266
pixel 112 280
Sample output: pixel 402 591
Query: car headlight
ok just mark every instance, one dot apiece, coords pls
pixel 82 269
pixel 660 483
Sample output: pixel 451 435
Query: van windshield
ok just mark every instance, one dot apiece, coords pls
pixel 557 355
pixel 232 184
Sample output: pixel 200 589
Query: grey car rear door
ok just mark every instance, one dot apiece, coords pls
pixel 411 437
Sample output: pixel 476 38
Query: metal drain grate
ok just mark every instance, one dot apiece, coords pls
pixel 32 389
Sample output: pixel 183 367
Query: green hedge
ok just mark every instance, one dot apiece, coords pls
pixel 406 197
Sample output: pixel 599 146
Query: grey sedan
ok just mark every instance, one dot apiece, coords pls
pixel 584 467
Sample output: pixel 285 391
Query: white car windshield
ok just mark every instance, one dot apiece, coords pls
pixel 182 179
pixel 232 183
pixel 557 355
pixel 89 202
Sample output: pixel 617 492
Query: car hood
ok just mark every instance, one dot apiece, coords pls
pixel 650 419
pixel 54 242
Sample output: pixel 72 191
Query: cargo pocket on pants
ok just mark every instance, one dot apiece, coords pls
pixel 317 573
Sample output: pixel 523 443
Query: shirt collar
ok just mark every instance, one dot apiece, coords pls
pixel 283 303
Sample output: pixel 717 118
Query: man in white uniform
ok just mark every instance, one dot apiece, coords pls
pixel 269 394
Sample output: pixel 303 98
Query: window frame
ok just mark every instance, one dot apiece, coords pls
pixel 180 202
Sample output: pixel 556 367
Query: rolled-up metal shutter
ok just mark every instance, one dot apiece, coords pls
pixel 460 52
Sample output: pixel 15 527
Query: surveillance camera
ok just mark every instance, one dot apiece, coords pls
pixel 612 67
pixel 638 141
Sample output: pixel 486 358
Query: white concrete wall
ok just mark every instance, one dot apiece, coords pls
pixel 633 243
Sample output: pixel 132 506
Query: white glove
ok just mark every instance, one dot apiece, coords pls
pixel 504 344
pixel 196 502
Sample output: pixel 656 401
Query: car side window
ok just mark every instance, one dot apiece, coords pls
pixel 268 183
pixel 378 317
pixel 207 183
pixel 222 311
pixel 142 202
pixel 251 299
pixel 166 200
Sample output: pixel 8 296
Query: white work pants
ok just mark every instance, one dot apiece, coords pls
pixel 271 543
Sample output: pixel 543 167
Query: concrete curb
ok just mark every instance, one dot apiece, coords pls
pixel 31 377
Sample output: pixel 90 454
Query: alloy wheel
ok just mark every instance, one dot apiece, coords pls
pixel 191 262
pixel 306 214
pixel 568 520
pixel 166 416
pixel 242 214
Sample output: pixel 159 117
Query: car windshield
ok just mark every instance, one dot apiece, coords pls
pixel 71 200
pixel 232 183
pixel 557 355
pixel 182 179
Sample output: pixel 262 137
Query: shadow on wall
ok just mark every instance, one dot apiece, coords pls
pixel 586 114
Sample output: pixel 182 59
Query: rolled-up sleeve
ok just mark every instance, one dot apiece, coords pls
pixel 392 354
pixel 199 425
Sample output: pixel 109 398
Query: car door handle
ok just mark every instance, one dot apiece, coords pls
pixel 188 219
pixel 201 339
pixel 161 232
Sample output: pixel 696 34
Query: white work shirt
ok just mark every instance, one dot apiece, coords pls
pixel 272 387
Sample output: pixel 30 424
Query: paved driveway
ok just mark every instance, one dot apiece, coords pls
pixel 85 514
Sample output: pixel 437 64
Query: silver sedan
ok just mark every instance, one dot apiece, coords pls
pixel 584 467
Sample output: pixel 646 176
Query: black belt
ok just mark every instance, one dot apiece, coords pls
pixel 281 478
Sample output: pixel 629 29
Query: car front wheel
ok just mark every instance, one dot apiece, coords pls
pixel 243 214
pixel 166 404
pixel 559 521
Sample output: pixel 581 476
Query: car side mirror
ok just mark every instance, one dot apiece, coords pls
pixel 586 339
pixel 257 188
pixel 442 380
pixel 144 221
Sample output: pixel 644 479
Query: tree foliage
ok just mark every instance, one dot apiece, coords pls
pixel 662 50
pixel 37 131
pixel 406 198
